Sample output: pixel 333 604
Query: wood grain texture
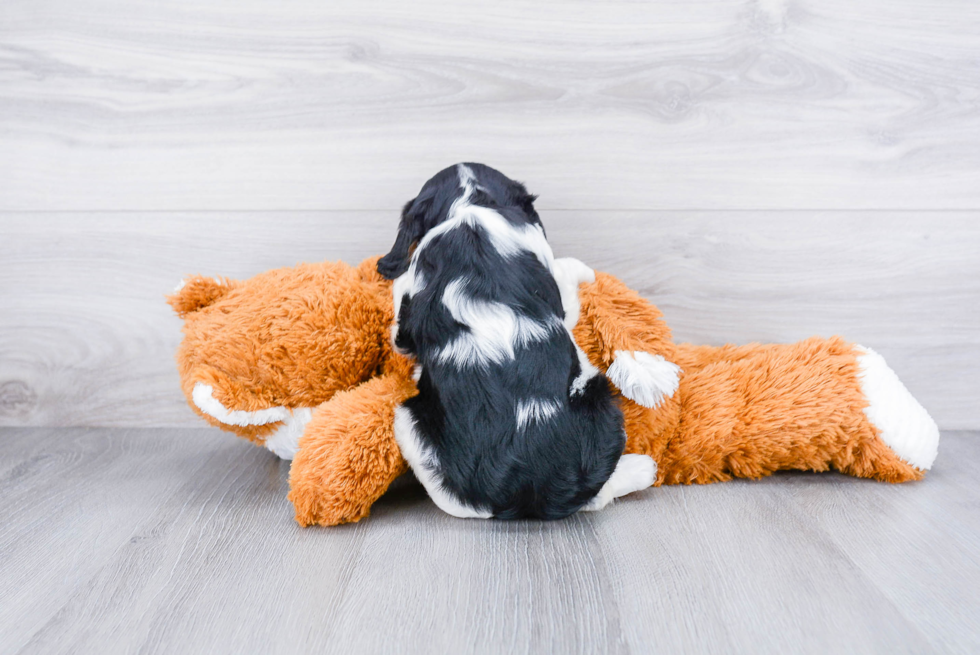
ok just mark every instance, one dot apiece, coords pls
pixel 730 104
pixel 72 499
pixel 893 540
pixel 86 338
pixel 181 540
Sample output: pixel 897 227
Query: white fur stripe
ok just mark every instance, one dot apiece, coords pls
pixel 495 329
pixel 425 465
pixel 509 240
pixel 284 442
pixel 203 397
pixel 586 372
pixel 904 424
pixel 569 274
pixel 535 410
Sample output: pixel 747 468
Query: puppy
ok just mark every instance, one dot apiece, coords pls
pixel 511 420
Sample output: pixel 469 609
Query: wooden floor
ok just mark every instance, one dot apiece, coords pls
pixel 181 540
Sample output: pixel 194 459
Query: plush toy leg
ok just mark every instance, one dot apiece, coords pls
pixel 902 423
pixel 626 338
pixel 752 410
pixel 348 455
pixel 615 318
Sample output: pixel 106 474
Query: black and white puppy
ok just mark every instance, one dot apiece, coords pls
pixel 511 420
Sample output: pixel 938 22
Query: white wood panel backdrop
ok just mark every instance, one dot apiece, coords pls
pixel 761 170
pixel 86 339
pixel 261 104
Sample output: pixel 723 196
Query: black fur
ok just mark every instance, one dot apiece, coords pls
pixel 467 413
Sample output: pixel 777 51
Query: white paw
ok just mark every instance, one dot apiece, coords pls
pixel 644 378
pixel 632 473
pixel 905 425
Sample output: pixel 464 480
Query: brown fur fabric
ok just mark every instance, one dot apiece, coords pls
pixel 318 336
pixel 353 454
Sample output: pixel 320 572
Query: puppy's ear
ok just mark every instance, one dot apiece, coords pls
pixel 399 257
pixel 527 203
pixel 525 200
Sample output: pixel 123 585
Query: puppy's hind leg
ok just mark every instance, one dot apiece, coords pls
pixel 426 467
pixel 632 473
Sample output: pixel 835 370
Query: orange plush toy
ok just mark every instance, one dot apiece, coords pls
pixel 299 360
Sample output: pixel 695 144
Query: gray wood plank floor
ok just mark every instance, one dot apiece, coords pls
pixel 181 540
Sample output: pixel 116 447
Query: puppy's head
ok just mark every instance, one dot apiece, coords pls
pixel 476 184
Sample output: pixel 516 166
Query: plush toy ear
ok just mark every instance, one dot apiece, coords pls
pixel 197 292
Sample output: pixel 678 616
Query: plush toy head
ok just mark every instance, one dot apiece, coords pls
pixel 285 339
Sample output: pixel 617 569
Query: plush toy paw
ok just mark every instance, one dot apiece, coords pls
pixel 348 454
pixel 644 378
pixel 903 423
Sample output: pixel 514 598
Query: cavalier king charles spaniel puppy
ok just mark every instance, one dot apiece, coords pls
pixel 511 420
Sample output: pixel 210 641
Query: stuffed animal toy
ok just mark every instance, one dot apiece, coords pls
pixel 299 360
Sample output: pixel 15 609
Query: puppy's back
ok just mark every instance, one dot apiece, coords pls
pixel 518 424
